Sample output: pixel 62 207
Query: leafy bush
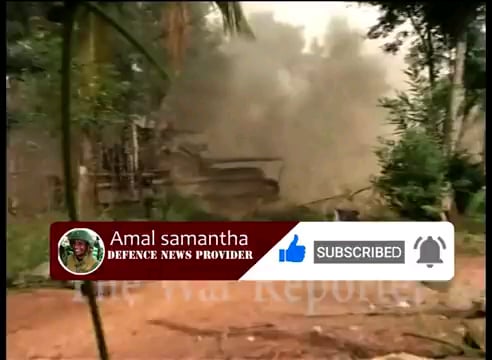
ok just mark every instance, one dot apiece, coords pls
pixel 413 175
pixel 419 106
pixel 476 207
pixel 27 246
pixel 467 179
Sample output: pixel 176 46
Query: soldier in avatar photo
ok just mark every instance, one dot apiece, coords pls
pixel 80 252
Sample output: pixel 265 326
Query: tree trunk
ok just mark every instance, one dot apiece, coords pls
pixel 94 49
pixel 135 160
pixel 483 151
pixel 469 118
pixel 86 192
pixel 433 118
pixel 484 137
pixel 452 123
pixel 430 58
pixel 175 24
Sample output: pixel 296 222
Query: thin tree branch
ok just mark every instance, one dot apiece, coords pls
pixel 462 349
pixel 427 44
pixel 348 196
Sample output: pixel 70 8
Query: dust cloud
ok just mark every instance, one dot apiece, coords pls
pixel 317 110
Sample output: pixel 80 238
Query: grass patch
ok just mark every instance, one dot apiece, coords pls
pixel 175 207
pixel 171 207
pixel 470 244
pixel 123 212
pixel 28 244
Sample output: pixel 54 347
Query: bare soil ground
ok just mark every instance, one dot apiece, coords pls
pixel 222 320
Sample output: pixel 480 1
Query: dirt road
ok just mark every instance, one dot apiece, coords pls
pixel 220 320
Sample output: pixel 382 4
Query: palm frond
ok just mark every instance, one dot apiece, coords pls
pixel 234 19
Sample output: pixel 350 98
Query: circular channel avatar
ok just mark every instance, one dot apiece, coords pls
pixel 81 251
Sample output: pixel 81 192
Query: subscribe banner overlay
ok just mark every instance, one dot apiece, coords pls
pixel 412 251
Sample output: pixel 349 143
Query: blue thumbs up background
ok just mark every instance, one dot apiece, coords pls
pixel 294 253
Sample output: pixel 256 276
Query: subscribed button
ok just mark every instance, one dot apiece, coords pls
pixel 359 252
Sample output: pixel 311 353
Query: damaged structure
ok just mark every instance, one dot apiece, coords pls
pixel 156 158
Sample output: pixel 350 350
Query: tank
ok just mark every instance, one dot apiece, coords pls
pixel 174 160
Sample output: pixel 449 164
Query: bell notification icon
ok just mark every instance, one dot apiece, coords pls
pixel 430 250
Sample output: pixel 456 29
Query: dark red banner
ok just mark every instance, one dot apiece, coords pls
pixel 160 250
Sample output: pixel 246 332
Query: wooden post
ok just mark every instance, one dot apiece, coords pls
pixel 135 146
pixel 133 159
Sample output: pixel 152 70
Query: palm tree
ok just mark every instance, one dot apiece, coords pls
pixel 94 25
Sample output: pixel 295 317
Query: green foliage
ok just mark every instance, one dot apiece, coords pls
pixel 147 88
pixel 38 90
pixel 27 246
pixel 475 75
pixel 107 106
pixel 234 19
pixel 470 243
pixel 448 20
pixel 420 106
pixel 476 207
pixel 413 175
pixel 467 179
pixel 423 109
pixel 34 56
pixel 176 207
pixel 432 38
pixel 131 85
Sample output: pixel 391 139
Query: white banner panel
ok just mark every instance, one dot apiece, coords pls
pixel 408 251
